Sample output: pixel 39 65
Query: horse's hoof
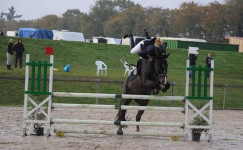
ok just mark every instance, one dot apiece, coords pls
pixel 119 129
pixel 138 130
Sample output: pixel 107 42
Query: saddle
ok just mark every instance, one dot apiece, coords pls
pixel 136 71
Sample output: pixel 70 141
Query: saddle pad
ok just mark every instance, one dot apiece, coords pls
pixel 132 76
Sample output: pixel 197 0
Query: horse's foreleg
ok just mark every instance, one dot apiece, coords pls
pixel 122 113
pixel 167 86
pixel 149 83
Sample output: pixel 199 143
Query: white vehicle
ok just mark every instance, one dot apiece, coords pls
pixel 12 33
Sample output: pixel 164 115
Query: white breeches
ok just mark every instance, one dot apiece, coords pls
pixel 9 59
pixel 136 49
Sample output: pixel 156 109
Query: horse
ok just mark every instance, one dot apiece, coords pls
pixel 153 74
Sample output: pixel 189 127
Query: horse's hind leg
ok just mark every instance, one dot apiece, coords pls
pixel 122 113
pixel 140 112
pixel 138 118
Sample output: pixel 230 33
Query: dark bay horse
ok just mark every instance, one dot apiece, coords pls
pixel 153 75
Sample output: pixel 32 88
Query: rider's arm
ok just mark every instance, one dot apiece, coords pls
pixel 143 54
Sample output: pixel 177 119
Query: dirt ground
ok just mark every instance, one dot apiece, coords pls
pixel 228 132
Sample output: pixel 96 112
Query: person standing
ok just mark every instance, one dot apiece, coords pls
pixel 208 62
pixel 192 62
pixel 19 48
pixel 10 53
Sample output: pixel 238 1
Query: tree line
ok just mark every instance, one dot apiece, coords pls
pixel 115 18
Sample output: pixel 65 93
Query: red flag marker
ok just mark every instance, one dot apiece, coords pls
pixel 49 51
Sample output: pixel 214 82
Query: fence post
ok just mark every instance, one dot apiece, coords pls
pixel 97 90
pixel 172 92
pixel 225 93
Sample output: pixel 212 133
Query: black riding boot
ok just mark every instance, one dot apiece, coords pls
pixel 139 64
pixel 147 34
pixel 132 43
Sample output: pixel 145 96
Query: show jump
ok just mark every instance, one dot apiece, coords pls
pixel 196 88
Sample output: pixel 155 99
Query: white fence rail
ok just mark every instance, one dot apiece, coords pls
pixel 123 107
pixel 124 96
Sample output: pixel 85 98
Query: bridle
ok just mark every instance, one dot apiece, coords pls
pixel 163 74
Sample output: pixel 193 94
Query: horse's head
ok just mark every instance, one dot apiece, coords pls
pixel 160 66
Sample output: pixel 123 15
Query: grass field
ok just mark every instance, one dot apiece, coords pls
pixel 82 56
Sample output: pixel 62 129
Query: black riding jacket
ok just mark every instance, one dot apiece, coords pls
pixel 19 48
pixel 10 48
pixel 208 61
pixel 192 58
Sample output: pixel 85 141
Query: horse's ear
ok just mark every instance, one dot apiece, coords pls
pixel 165 44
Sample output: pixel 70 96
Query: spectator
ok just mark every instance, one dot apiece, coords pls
pixel 192 62
pixel 10 54
pixel 19 48
pixel 208 62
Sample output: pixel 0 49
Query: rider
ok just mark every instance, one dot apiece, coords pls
pixel 147 48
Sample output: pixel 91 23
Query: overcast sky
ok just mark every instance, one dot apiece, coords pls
pixel 34 9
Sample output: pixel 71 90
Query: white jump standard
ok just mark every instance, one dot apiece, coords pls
pixel 38 86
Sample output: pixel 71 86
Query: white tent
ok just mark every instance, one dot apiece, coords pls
pixel 12 33
pixel 137 39
pixel 193 50
pixel 113 41
pixel 55 34
pixel 185 39
pixel 68 36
